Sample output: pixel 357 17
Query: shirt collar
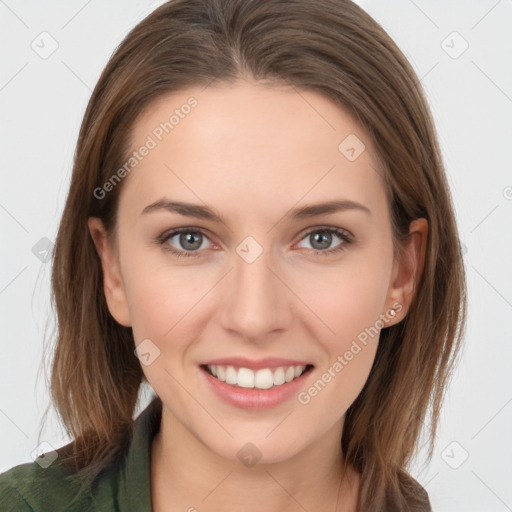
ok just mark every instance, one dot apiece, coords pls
pixel 134 475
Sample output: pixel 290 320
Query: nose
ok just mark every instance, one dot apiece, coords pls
pixel 258 305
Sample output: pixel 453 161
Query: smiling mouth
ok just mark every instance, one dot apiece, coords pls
pixel 264 378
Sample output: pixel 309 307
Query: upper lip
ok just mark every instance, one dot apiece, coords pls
pixel 256 364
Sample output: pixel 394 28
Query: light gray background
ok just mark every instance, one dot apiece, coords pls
pixel 42 101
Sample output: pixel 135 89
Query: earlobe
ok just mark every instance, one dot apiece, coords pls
pixel 408 270
pixel 113 286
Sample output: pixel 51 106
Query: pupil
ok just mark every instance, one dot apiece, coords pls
pixel 188 238
pixel 327 238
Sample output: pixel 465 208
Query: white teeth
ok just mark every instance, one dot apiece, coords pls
pixel 231 377
pixel 264 379
pixel 260 379
pixel 245 378
pixel 279 377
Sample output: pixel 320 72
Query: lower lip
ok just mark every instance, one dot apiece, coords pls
pixel 252 398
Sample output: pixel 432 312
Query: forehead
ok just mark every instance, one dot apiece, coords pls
pixel 251 142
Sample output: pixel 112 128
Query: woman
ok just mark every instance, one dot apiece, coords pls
pixel 286 376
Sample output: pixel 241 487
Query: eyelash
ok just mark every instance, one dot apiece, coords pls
pixel 341 233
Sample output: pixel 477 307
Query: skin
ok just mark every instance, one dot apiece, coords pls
pixel 253 151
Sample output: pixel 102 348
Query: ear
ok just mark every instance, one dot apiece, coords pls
pixel 112 281
pixel 407 270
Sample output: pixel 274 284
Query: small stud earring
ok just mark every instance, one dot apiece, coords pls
pixel 392 312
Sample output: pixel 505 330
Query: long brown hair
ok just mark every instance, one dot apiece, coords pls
pixel 328 46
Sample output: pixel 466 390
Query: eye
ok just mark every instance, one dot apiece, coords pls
pixel 189 242
pixel 321 239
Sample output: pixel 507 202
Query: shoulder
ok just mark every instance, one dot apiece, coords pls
pixel 31 487
pixel 121 483
pixel 10 496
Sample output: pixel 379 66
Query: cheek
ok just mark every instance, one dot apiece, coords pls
pixel 349 302
pixel 351 308
pixel 160 310
pixel 159 295
pixel 339 383
pixel 346 299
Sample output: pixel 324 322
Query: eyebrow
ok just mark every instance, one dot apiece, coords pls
pixel 206 213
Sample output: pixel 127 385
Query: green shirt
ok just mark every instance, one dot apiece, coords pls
pixel 124 486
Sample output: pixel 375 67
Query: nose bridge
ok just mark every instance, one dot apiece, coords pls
pixel 256 303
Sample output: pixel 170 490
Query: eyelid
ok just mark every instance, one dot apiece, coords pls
pixel 321 227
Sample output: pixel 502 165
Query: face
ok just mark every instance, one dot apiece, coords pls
pixel 243 279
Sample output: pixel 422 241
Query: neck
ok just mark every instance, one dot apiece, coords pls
pixel 186 475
